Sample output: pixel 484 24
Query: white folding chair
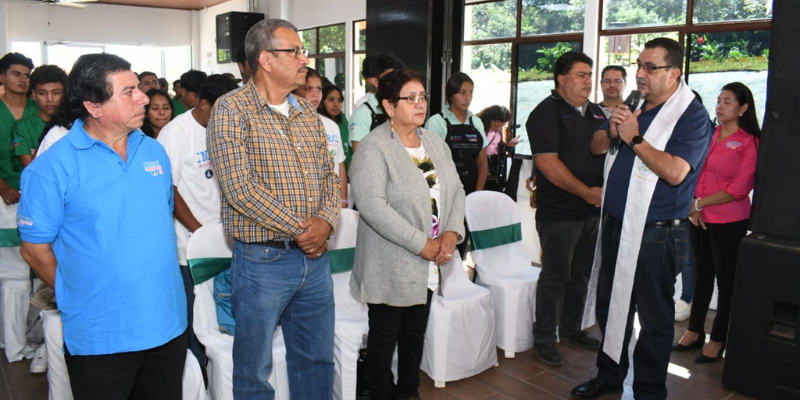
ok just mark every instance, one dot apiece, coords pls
pixel 351 322
pixel 209 252
pixel 460 337
pixel 15 288
pixel 503 267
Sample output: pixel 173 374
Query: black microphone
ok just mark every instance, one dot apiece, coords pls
pixel 632 102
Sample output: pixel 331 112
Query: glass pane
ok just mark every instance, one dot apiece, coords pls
pixel 731 10
pixel 177 60
pixel 32 50
pixel 360 31
pixel 720 58
pixel 142 58
pixel 546 16
pixel 309 37
pixel 623 50
pixel 359 85
pixel 65 56
pixel 331 39
pixel 489 66
pixel 333 69
pixel 635 13
pixel 535 81
pixel 490 20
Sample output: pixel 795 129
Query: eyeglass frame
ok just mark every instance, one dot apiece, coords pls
pixel 298 51
pixel 415 98
pixel 650 69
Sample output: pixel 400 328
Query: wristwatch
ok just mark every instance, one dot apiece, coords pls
pixel 636 140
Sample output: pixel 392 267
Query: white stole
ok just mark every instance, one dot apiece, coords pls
pixel 640 192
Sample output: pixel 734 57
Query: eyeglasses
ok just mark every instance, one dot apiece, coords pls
pixel 610 81
pixel 416 98
pixel 298 52
pixel 650 68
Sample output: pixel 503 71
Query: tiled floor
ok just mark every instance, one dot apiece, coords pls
pixel 523 377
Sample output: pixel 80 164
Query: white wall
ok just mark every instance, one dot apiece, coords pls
pixel 310 13
pixel 98 23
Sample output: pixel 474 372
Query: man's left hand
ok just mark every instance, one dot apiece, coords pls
pixel 314 241
pixel 447 241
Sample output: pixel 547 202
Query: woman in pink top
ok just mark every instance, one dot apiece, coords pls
pixel 720 211
pixel 495 124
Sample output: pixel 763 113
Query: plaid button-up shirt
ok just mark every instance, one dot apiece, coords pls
pixel 273 171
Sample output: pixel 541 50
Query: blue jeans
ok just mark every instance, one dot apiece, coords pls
pixel 281 285
pixel 660 259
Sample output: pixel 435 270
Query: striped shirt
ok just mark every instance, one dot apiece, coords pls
pixel 273 171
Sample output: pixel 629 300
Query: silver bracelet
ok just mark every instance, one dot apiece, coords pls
pixel 697 205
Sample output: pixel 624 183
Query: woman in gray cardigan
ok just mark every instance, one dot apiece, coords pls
pixel 411 202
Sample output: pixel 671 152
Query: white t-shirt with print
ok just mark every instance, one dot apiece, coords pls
pixel 420 157
pixel 184 139
pixel 335 148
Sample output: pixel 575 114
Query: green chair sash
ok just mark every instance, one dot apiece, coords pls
pixel 341 260
pixel 10 238
pixel 496 237
pixel 204 269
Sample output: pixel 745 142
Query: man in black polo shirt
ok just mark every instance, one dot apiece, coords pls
pixel 570 178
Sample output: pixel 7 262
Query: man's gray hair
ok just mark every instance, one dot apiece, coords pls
pixel 262 37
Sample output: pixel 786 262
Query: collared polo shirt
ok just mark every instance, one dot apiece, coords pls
pixel 25 135
pixel 437 124
pixel 361 118
pixel 10 167
pixel 109 220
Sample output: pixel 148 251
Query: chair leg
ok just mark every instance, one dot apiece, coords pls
pixel 438 384
pixel 509 354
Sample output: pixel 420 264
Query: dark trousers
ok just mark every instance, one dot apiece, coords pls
pixel 653 288
pixel 151 374
pixel 567 256
pixel 194 345
pixel 404 327
pixel 714 250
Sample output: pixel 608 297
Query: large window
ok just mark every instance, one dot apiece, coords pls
pixel 620 14
pixel 326 47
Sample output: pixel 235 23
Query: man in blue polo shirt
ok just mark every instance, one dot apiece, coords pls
pixel 96 224
pixel 655 153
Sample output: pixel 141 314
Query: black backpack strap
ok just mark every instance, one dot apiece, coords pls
pixel 372 110
pixel 446 121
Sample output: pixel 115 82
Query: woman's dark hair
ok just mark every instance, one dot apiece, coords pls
pixel 312 73
pixel 59 119
pixel 390 85
pixel 453 85
pixel 321 110
pixel 147 127
pixel 748 122
pixel 493 113
pixel 89 81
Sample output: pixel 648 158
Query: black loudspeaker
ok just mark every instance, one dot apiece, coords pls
pixel 232 28
pixel 763 355
pixel 777 195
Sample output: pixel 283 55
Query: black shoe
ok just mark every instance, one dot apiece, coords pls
pixel 548 353
pixel 697 344
pixel 594 389
pixel 583 340
pixel 704 359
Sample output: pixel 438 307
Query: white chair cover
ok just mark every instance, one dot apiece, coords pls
pixel 351 322
pixel 505 270
pixel 15 288
pixel 58 376
pixel 460 337
pixel 211 241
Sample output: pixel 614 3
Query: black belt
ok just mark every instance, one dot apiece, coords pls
pixel 280 244
pixel 668 223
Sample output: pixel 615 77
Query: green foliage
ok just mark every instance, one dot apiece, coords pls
pixel 730 10
pixel 630 13
pixel 719 46
pixel 550 55
pixel 552 16
pixel 331 39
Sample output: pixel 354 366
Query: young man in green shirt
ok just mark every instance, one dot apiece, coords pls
pixel 47 82
pixel 15 71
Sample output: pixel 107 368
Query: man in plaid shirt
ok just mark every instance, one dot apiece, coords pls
pixel 280 201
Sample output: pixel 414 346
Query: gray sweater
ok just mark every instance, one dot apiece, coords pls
pixel 395 205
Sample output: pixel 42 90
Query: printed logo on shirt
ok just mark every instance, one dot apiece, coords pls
pixel 209 174
pixel 333 139
pixel 153 167
pixel 472 137
pixel 733 144
pixel 24 221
